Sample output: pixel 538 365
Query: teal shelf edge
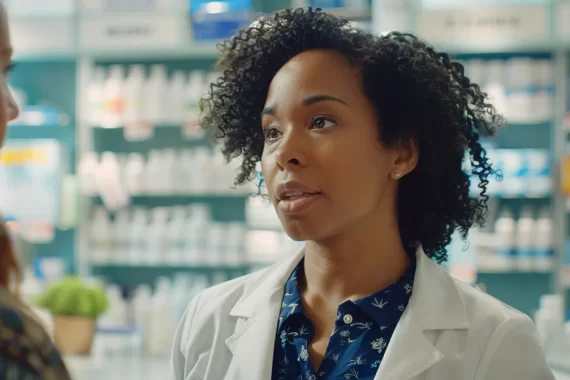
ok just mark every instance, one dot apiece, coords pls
pixel 173 268
pixel 60 132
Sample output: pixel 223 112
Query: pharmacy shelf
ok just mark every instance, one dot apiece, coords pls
pixel 133 275
pixel 65 133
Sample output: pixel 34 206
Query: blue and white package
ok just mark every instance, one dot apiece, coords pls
pixel 514 173
pixel 538 180
pixel 218 20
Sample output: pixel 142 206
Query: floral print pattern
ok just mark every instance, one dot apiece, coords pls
pixel 362 332
pixel 26 351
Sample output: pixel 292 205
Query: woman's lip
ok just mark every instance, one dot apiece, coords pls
pixel 299 204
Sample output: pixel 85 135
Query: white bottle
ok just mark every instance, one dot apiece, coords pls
pixel 121 228
pixel 543 78
pixel 194 92
pixel 109 182
pixel 163 321
pixel 137 240
pixel 134 174
pixel 202 180
pixel 168 173
pixel 176 236
pixel 142 305
pixel 524 239
pixel 116 315
pixel 113 99
pixel 549 317
pixel 521 90
pixel 542 241
pixel 177 102
pixel 87 169
pixel 505 240
pixel 185 171
pixel 495 84
pixel 100 236
pixel 153 172
pixel 95 97
pixel 156 244
pixel 136 122
pixel 157 95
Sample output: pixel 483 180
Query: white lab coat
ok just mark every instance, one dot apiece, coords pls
pixel 449 331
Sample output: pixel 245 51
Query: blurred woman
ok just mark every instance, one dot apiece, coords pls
pixel 26 351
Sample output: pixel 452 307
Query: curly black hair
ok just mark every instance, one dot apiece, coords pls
pixel 418 93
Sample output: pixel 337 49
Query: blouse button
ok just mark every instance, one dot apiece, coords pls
pixel 347 319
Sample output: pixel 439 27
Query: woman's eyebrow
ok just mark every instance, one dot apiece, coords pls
pixel 309 100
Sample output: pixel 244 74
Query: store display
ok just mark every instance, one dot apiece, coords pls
pixel 524 173
pixel 523 243
pixel 164 172
pixel 165 236
pixel 217 20
pixel 521 89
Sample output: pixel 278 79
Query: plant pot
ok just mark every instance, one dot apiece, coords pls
pixel 74 335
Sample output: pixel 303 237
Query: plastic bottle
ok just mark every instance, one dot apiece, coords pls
pixel 137 126
pixel 95 96
pixel 524 239
pixel 157 95
pixel 177 92
pixel 156 244
pixel 109 183
pixel 87 169
pixel 120 232
pixel 113 98
pixel 175 236
pixel 142 305
pixel 163 321
pixel 543 78
pixel 134 174
pixel 495 84
pixel 153 172
pixel 116 315
pixel 521 90
pixel 100 236
pixel 549 317
pixel 542 241
pixel 168 178
pixel 505 240
pixel 137 239
pixel 195 90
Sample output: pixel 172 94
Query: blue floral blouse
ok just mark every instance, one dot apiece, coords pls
pixel 358 342
pixel 26 351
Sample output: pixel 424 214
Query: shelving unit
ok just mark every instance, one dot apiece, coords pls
pixel 66 66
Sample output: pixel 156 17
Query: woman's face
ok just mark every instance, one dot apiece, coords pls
pixel 8 107
pixel 323 163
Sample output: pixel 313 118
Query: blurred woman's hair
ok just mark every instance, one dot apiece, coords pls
pixel 9 266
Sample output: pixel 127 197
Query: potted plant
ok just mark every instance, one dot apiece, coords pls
pixel 75 307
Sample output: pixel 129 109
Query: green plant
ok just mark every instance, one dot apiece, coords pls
pixel 72 297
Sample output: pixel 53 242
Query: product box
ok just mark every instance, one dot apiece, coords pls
pixel 218 20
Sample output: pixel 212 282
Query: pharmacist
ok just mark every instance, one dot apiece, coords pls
pixel 361 141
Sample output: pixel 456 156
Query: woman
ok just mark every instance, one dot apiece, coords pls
pixel 26 351
pixel 362 141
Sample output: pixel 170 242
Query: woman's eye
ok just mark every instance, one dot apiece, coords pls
pixel 272 134
pixel 9 68
pixel 321 122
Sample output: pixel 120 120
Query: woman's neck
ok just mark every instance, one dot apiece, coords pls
pixel 355 264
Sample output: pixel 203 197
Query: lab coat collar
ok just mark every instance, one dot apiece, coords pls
pixel 435 305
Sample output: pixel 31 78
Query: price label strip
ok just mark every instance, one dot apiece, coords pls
pixel 133 32
pixel 488 27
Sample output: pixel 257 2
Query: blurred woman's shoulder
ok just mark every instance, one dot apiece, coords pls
pixel 26 350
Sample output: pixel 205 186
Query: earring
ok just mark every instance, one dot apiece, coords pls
pixel 397 175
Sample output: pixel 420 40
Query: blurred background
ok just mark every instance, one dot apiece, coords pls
pixel 107 176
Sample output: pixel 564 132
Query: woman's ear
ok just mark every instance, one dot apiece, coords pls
pixel 407 155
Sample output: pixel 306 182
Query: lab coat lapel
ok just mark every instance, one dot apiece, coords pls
pixel 253 342
pixel 435 305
